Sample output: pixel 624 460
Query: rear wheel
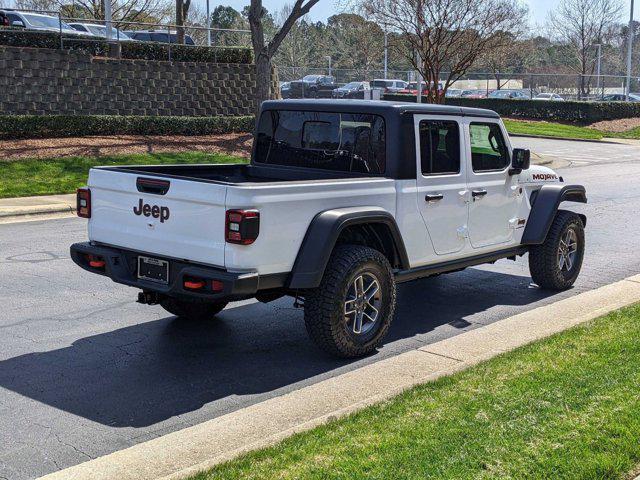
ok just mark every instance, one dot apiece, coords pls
pixel 556 263
pixel 192 310
pixel 351 311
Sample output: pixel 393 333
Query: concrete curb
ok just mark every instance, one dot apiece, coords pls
pixel 203 446
pixel 549 137
pixel 44 205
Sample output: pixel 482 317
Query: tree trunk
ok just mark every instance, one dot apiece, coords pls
pixel 179 22
pixel 182 9
pixel 263 79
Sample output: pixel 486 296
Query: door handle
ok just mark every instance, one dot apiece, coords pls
pixel 478 193
pixel 433 197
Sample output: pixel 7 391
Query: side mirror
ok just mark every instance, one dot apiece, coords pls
pixel 520 160
pixel 17 23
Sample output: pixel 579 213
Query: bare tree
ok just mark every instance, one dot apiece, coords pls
pixel 263 50
pixel 512 56
pixel 580 25
pixel 444 37
pixel 294 49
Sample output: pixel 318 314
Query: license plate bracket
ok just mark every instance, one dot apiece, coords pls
pixel 153 269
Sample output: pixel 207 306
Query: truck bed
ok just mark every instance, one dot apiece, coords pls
pixel 233 173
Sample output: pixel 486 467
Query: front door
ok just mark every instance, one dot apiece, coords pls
pixel 494 195
pixel 441 181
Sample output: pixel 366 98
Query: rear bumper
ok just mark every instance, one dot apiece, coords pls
pixel 121 266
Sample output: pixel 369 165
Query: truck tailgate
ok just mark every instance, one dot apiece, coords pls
pixel 186 222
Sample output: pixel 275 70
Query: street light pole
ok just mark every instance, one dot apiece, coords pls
pixel 328 57
pixel 208 25
pixel 386 53
pixel 107 19
pixel 629 51
pixel 599 45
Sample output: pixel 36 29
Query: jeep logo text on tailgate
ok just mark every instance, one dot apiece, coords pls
pixel 154 211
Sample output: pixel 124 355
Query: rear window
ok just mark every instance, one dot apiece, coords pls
pixel 344 142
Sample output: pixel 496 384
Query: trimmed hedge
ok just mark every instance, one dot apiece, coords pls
pixel 574 112
pixel 12 37
pixel 55 126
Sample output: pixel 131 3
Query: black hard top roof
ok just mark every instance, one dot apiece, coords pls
pixel 375 107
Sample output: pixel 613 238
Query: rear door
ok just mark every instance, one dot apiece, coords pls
pixel 441 181
pixel 178 218
pixel 495 195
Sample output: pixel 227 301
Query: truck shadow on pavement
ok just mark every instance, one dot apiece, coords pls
pixel 146 373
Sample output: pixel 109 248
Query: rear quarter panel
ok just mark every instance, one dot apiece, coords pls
pixel 286 211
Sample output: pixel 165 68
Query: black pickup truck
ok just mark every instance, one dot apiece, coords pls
pixel 313 86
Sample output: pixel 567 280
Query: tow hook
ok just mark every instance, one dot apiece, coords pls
pixel 148 298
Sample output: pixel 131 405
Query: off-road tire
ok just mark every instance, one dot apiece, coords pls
pixel 187 310
pixel 543 259
pixel 324 306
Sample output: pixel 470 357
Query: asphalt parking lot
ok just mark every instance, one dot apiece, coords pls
pixel 85 371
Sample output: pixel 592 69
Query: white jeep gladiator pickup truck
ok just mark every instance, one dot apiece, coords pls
pixel 342 200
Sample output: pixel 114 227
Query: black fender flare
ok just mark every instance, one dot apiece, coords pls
pixel 321 237
pixel 544 209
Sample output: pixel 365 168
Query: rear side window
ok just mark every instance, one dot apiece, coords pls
pixel 344 142
pixel 488 148
pixel 439 147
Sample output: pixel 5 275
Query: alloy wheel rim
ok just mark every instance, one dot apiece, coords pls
pixel 567 250
pixel 362 304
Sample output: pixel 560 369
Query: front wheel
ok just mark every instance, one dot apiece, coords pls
pixel 351 311
pixel 556 263
pixel 192 310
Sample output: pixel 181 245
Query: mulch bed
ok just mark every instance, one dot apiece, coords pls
pixel 621 125
pixel 238 144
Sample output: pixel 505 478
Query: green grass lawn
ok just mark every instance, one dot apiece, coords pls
pixel 23 178
pixel 567 407
pixel 560 130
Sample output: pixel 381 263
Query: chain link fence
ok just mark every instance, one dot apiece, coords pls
pixel 74 30
pixel 569 86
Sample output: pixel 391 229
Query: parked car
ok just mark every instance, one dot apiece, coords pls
pixel 453 92
pixel 101 31
pixel 621 97
pixel 325 213
pixel 313 86
pixel 553 97
pixel 516 94
pixel 412 88
pixel 388 86
pixel 39 22
pixel 285 90
pixel 158 36
pixel 474 93
pixel 351 90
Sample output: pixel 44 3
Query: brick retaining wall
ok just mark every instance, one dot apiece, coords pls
pixel 43 81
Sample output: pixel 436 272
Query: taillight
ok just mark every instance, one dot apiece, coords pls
pixel 84 203
pixel 96 261
pixel 242 226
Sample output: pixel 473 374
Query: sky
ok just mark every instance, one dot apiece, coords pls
pixel 538 9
